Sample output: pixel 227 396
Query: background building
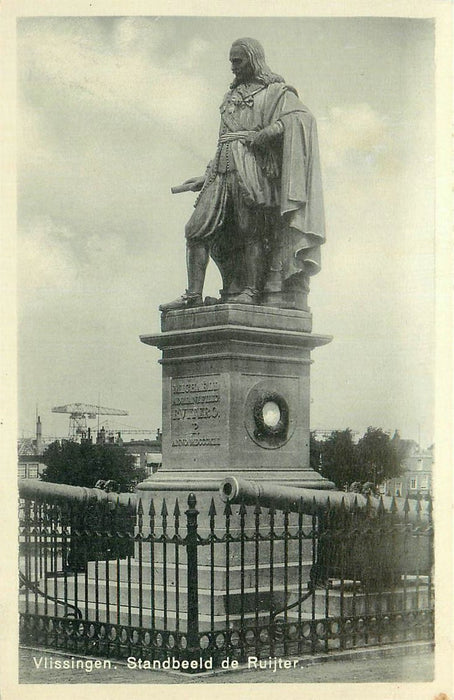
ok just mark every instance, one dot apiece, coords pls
pixel 417 473
pixel 29 451
pixel 147 453
pixel 30 467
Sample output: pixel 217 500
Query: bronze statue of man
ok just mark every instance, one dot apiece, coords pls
pixel 260 209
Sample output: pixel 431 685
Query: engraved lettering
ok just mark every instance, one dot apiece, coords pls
pixel 197 441
pixel 196 412
pixel 198 398
pixel 182 387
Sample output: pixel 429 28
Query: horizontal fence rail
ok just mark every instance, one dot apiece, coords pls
pixel 191 587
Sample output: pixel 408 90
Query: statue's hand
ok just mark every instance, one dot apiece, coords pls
pixel 259 139
pixel 195 184
pixel 265 135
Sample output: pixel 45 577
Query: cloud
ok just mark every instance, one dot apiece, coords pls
pixel 45 258
pixel 358 135
pixel 129 74
pixel 54 258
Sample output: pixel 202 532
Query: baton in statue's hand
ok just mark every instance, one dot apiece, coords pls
pixel 194 184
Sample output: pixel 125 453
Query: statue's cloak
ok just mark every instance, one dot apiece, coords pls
pixel 301 203
pixel 301 195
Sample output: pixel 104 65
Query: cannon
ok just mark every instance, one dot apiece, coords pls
pixel 312 501
pixel 373 541
pixel 81 511
pixel 48 492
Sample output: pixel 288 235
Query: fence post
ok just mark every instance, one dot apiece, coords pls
pixel 193 585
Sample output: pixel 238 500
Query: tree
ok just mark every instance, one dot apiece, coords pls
pixel 315 453
pixel 84 464
pixel 375 458
pixel 379 457
pixel 338 458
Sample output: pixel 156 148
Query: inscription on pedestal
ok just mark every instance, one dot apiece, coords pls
pixel 197 411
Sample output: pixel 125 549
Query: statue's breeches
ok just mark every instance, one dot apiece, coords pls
pixel 222 210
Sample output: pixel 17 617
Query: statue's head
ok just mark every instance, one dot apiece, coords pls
pixel 241 64
pixel 247 58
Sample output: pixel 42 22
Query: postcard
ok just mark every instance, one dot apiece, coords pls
pixel 227 332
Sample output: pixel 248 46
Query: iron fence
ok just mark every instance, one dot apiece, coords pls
pixel 197 587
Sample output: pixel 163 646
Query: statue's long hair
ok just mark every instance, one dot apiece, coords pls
pixel 256 56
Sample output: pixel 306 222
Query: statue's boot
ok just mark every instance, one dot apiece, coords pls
pixel 186 301
pixel 247 296
pixel 253 258
pixel 196 262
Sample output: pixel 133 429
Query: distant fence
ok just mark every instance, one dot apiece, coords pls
pixel 195 588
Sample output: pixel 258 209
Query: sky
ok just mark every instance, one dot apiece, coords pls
pixel 113 111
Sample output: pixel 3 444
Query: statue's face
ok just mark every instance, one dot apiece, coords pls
pixel 241 66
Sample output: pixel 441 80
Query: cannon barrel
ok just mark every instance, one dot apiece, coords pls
pixel 59 493
pixel 234 490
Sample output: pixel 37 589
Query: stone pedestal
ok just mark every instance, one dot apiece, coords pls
pixel 235 401
pixel 235 395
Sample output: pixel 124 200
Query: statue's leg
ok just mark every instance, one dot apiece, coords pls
pixel 273 272
pixel 248 223
pixel 226 253
pixel 206 218
pixel 253 258
pixel 197 255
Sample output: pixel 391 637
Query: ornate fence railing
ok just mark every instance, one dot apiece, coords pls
pixel 201 586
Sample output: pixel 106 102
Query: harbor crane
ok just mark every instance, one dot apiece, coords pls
pixel 79 413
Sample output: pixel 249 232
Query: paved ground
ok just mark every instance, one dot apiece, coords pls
pixel 389 665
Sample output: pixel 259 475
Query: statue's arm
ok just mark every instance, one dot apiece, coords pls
pixel 268 133
pixel 194 184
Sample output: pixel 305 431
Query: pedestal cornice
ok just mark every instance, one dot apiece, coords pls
pixel 223 323
pixel 177 338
